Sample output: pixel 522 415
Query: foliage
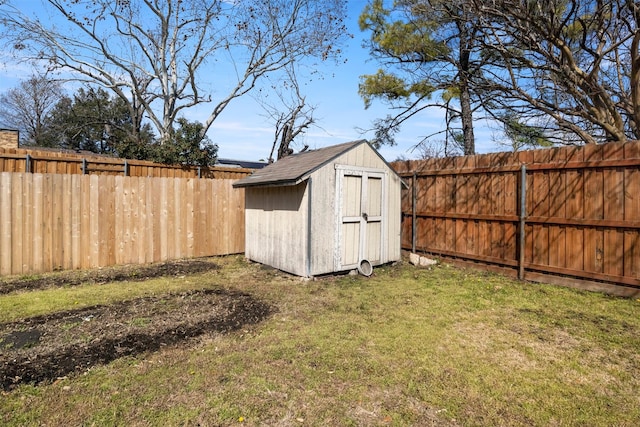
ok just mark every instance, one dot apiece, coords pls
pixel 94 121
pixel 427 47
pixel 187 147
pixel 569 69
pixel 571 63
pixel 386 86
pixel 521 136
pixel 28 107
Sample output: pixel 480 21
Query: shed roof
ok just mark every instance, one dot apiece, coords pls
pixel 296 168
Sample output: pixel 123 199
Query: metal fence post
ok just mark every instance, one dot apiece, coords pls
pixel 523 220
pixel 413 213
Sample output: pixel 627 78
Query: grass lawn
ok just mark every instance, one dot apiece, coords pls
pixel 407 346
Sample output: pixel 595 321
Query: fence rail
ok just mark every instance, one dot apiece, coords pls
pixel 71 221
pixel 567 215
pixel 62 162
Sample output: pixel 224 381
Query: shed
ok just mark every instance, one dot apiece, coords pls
pixel 323 211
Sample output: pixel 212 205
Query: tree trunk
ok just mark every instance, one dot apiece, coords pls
pixel 466 110
pixel 467 119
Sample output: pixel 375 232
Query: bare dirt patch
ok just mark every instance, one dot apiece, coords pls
pixel 108 275
pixel 44 348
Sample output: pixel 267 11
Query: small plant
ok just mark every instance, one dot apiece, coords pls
pixel 140 322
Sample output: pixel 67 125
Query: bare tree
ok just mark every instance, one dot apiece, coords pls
pixel 576 62
pixel 291 115
pixel 27 108
pixel 157 55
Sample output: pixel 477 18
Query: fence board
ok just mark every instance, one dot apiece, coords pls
pixel 137 248
pixel 28 227
pixel 632 254
pixel 614 252
pixel 48 219
pixel 191 229
pixel 17 237
pixel 85 223
pixel 122 210
pixel 5 224
pixel 66 222
pixel 37 224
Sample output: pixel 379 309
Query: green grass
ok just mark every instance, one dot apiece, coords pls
pixel 444 346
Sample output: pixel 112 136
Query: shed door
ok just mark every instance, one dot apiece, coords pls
pixel 360 205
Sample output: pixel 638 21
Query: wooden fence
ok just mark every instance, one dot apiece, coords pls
pixel 70 221
pixel 67 162
pixel 569 216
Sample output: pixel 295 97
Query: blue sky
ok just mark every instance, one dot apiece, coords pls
pixel 243 131
pixel 339 109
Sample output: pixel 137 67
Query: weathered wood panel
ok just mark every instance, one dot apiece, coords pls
pixel 60 221
pixel 276 227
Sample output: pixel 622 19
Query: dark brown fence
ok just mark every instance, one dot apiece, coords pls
pixel 66 162
pixel 569 215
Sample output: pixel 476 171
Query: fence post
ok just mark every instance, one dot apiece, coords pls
pixel 523 219
pixel 85 169
pixel 126 167
pixel 27 165
pixel 413 213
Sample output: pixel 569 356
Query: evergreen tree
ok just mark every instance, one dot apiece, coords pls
pixel 429 48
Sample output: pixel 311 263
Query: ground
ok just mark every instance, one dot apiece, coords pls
pixel 45 348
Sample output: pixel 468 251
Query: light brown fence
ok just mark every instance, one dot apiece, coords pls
pixel 70 221
pixel 567 215
pixel 66 162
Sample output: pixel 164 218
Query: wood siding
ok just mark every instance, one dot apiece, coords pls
pixel 581 213
pixel 57 222
pixel 276 227
pixel 323 220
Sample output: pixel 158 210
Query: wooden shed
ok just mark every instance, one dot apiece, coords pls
pixel 323 211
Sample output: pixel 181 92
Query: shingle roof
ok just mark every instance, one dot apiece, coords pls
pixel 295 168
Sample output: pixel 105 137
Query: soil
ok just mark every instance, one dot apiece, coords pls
pixel 108 275
pixel 44 348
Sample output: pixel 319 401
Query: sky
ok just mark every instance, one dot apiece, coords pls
pixel 243 132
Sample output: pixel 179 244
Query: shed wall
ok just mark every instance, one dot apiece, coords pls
pixel 394 217
pixel 276 227
pixel 323 221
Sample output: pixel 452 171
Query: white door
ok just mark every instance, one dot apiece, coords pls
pixel 360 216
